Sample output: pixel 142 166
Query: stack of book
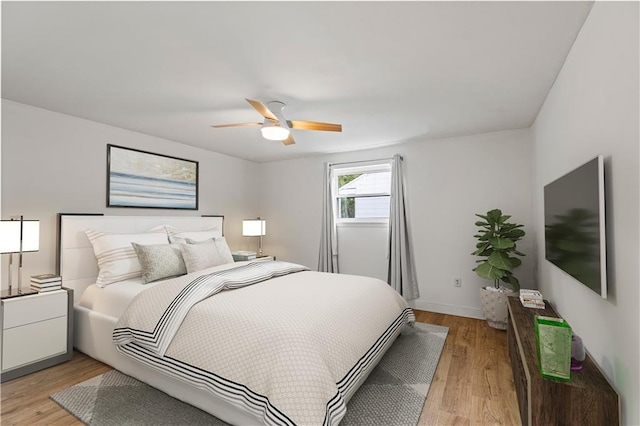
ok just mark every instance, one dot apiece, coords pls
pixel 243 255
pixel 46 282
pixel 531 299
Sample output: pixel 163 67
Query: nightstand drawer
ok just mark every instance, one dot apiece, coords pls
pixel 266 258
pixel 33 342
pixel 32 309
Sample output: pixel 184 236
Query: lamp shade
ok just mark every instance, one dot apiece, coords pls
pixel 30 235
pixel 10 235
pixel 254 227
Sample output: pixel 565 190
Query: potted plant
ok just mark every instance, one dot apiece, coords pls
pixel 497 248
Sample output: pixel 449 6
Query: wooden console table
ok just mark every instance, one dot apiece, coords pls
pixel 588 399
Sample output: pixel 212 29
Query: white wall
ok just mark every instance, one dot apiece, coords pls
pixel 593 109
pixel 362 249
pixel 448 181
pixel 55 163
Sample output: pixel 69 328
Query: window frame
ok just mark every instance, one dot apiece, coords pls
pixel 368 167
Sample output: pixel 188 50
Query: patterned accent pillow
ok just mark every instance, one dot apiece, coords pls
pixel 221 244
pixel 160 261
pixel 117 260
pixel 200 256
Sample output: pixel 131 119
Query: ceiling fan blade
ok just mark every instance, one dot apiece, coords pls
pixel 217 126
pixel 263 110
pixel 315 125
pixel 289 140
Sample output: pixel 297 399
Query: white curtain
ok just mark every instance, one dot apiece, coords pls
pixel 401 275
pixel 328 259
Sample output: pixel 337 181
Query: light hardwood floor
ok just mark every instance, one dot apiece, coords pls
pixel 473 384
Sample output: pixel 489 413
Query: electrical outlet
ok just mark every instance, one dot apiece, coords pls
pixel 457 282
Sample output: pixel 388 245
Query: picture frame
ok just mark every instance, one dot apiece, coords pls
pixel 142 179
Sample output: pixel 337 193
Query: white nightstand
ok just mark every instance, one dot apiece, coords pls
pixel 36 332
pixel 266 258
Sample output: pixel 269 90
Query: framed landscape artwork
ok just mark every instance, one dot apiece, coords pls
pixel 146 180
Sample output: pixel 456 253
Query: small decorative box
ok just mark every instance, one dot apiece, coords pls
pixel 553 339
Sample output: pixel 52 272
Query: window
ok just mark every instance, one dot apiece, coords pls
pixel 362 193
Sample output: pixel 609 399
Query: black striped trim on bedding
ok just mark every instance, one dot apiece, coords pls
pixel 227 390
pixel 257 404
pixel 336 407
pixel 160 337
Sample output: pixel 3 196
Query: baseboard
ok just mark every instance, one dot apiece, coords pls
pixel 461 311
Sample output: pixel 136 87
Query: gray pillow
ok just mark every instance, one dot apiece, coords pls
pixel 199 256
pixel 159 261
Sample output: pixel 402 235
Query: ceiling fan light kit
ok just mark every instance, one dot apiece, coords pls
pixel 274 132
pixel 276 128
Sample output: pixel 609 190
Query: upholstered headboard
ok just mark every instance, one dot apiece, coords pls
pixel 76 262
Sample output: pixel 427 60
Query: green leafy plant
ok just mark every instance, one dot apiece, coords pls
pixel 497 246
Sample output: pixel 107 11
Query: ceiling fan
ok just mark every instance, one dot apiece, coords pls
pixel 276 128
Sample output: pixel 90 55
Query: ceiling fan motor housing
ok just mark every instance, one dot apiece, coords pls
pixel 277 108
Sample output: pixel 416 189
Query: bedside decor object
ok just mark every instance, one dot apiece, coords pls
pixel 497 246
pixel 531 298
pixel 18 236
pixel 239 256
pixel 142 179
pixel 553 339
pixel 9 244
pixel 578 354
pixel 46 282
pixel 255 228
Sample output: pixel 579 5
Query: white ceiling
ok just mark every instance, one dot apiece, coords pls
pixel 388 71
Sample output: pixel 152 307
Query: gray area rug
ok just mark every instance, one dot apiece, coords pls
pixel 393 394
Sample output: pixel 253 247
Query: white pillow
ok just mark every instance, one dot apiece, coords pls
pixel 221 245
pixel 116 257
pixel 200 256
pixel 162 229
pixel 223 249
pixel 182 236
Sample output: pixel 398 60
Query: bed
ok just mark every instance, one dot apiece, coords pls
pixel 260 367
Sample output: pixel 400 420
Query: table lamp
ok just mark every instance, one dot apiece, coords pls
pixel 255 228
pixel 18 236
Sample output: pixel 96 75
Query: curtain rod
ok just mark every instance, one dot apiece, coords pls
pixel 363 161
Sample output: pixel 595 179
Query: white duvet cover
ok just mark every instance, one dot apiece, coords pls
pixel 113 299
pixel 290 349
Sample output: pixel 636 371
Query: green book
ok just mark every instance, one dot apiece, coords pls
pixel 553 341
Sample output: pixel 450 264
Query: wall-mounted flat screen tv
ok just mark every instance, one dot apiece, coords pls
pixel 574 222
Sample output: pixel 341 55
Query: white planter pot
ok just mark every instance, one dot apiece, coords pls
pixel 494 306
